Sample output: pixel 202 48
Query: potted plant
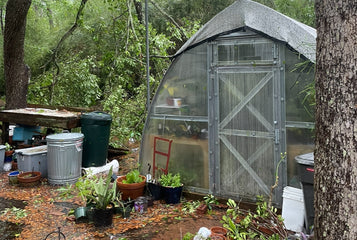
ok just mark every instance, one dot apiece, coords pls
pixel 8 152
pixel 84 188
pixel 102 197
pixel 171 187
pixel 131 185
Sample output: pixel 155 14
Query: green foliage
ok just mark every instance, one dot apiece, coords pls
pixel 301 10
pixel 210 200
pixel 244 224
pixel 169 180
pixel 92 189
pixel 133 177
pixel 14 211
pixel 74 86
pixel 190 207
pixel 188 236
pixel 102 193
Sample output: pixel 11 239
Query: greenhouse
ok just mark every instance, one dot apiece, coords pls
pixel 232 103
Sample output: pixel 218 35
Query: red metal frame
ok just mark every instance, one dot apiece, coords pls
pixel 166 154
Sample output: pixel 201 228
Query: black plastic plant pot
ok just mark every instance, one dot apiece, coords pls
pixel 171 195
pixel 155 190
pixel 103 217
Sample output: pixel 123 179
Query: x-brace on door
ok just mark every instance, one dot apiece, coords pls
pixel 246 117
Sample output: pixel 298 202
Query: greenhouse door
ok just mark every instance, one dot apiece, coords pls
pixel 247 132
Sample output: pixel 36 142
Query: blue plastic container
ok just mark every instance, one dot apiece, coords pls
pixel 25 133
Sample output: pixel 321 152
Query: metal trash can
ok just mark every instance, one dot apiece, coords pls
pixel 306 174
pixel 64 158
pixel 96 129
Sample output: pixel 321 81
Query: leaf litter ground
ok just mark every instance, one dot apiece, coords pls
pixel 32 213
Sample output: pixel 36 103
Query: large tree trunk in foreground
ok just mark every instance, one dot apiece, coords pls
pixel 336 120
pixel 17 73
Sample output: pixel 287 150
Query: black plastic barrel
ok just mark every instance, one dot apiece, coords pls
pixel 306 174
pixel 96 129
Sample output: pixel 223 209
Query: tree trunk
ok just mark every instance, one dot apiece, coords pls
pixel 335 180
pixel 17 73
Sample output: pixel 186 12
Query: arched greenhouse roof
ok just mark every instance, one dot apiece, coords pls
pixel 246 13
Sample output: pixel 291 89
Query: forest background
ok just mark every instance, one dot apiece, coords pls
pixel 102 63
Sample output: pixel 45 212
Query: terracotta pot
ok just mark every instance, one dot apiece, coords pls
pixel 217 237
pixel 29 179
pixel 217 230
pixel 131 190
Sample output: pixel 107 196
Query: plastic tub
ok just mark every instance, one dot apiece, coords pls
pixel 64 158
pixel 32 159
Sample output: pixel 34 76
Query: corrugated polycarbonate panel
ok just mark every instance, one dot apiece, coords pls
pixel 179 113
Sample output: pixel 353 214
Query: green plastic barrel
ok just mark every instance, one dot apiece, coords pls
pixel 96 129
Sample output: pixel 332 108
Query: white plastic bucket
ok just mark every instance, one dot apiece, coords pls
pixel 293 211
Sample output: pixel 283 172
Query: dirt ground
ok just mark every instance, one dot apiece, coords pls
pixel 33 213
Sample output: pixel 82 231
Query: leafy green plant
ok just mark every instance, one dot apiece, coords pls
pixel 188 236
pixel 102 194
pixel 190 207
pixel 210 200
pixel 169 180
pixel 264 223
pixel 83 188
pixel 14 211
pixel 8 147
pixel 133 177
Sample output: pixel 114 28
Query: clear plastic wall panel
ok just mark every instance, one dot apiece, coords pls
pixel 189 157
pixel 183 91
pixel 299 74
pixel 179 113
pixel 253 51
pixel 299 141
pixel 188 154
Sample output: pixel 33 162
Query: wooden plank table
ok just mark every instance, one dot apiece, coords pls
pixel 38 117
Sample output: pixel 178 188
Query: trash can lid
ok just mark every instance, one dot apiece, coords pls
pixel 306 159
pixel 65 136
pixel 96 118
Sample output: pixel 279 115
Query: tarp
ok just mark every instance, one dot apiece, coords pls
pixel 246 13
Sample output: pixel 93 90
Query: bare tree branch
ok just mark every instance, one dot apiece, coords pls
pixel 170 18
